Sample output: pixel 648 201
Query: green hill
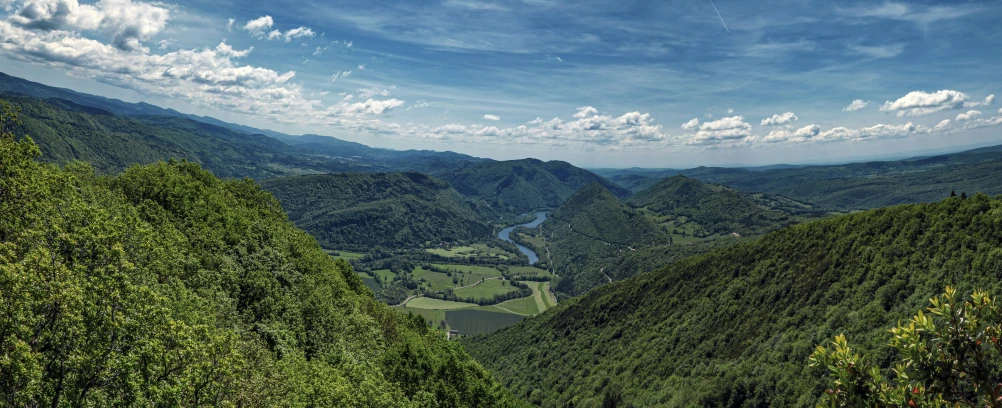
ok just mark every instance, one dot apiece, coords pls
pixel 589 232
pixel 635 182
pixel 717 209
pixel 735 327
pixel 364 210
pixel 165 286
pixel 520 186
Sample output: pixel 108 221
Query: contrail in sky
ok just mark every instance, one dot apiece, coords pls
pixel 718 15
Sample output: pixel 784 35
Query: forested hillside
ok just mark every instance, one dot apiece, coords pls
pixel 735 327
pixel 589 232
pixel 519 186
pixel 358 211
pixel 165 286
pixel 716 209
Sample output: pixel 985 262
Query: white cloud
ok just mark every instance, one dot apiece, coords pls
pixel 230 23
pixel 492 117
pixel 904 12
pixel 584 112
pixel 721 130
pixel 730 111
pixel 691 124
pixel 369 107
pixel 228 51
pixel 128 23
pixel 299 32
pixel 800 135
pixel 259 26
pixel 990 99
pixel 361 67
pixel 856 105
pixel 340 75
pixel 366 93
pixel 944 124
pixel 917 103
pixel 966 116
pixel 419 104
pixel 780 119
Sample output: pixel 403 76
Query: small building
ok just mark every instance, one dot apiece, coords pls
pixel 452 334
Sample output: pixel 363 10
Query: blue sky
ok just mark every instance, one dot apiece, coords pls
pixel 597 83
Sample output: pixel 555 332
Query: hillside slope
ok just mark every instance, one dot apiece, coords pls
pixel 735 327
pixel 363 210
pixel 519 186
pixel 717 209
pixel 165 286
pixel 589 231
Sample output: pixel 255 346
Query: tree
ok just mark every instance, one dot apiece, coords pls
pixel 951 356
pixel 963 195
pixel 953 193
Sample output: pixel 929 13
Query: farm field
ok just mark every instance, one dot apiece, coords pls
pixel 486 289
pixel 435 281
pixel 384 274
pixel 474 321
pixel 435 304
pixel 523 306
pixel 435 317
pixel 472 250
pixel 525 271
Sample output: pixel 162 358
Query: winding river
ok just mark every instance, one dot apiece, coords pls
pixel 505 235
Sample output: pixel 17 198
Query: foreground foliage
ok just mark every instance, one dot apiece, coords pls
pixel 165 286
pixel 736 327
pixel 952 356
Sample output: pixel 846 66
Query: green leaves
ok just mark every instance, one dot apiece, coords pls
pixel 950 357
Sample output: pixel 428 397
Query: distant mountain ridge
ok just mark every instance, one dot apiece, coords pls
pixel 518 186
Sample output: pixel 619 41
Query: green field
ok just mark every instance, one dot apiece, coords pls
pixel 434 281
pixel 524 306
pixel 472 251
pixel 535 241
pixel 348 256
pixel 548 297
pixel 486 289
pixel 368 281
pixel 435 304
pixel 472 321
pixel 523 271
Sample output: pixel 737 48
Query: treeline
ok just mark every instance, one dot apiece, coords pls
pixel 166 286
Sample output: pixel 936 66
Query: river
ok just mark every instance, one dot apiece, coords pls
pixel 505 235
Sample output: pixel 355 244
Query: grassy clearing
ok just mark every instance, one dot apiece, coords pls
pixel 537 295
pixel 434 281
pixel 473 250
pixel 384 274
pixel 486 289
pixel 548 298
pixel 453 252
pixel 435 304
pixel 533 240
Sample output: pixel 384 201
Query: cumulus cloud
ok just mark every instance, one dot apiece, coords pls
pixel 856 105
pixel 361 67
pixel 492 117
pixel 259 26
pixel 230 23
pixel 366 93
pixel 584 112
pixel 780 119
pixel 128 23
pixel 971 114
pixel 800 135
pixel 299 32
pixel 917 103
pixel 944 124
pixel 722 130
pixel 691 124
pixel 227 51
pixel 369 107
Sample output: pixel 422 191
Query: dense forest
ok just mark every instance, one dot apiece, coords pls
pixel 394 210
pixel 165 286
pixel 588 232
pixel 718 209
pixel 735 327
pixel 519 186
